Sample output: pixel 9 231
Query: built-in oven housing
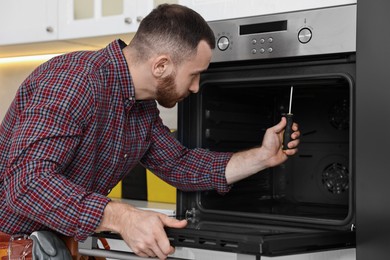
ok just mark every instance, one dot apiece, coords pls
pixel 307 203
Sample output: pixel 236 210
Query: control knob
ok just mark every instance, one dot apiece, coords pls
pixel 223 43
pixel 304 35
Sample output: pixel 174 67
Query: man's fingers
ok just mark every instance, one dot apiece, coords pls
pixel 172 222
pixel 153 249
pixel 163 247
pixel 159 252
pixel 279 127
pixel 149 238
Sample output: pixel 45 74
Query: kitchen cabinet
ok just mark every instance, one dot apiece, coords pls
pixel 91 18
pixel 225 9
pixel 57 26
pixel 24 21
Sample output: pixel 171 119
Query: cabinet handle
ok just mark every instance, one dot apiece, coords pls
pixel 49 29
pixel 139 18
pixel 128 20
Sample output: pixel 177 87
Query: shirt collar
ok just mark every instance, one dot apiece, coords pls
pixel 114 50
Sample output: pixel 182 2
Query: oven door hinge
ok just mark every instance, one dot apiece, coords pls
pixel 191 215
pixel 353 227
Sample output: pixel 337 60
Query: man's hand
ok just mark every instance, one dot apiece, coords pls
pixel 272 144
pixel 269 154
pixel 142 230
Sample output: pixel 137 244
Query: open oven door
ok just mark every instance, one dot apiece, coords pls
pixel 259 240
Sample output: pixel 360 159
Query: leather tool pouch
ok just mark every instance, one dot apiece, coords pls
pixel 15 247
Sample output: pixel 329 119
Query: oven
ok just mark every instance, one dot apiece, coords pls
pixel 308 203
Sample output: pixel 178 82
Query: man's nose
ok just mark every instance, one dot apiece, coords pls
pixel 194 88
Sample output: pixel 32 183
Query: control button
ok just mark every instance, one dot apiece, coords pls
pixel 270 50
pixel 262 50
pixel 270 39
pixel 304 35
pixel 254 41
pixel 254 51
pixel 223 43
pixel 262 41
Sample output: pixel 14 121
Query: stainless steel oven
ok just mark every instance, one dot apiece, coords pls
pixel 307 203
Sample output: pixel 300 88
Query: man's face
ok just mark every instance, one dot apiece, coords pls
pixel 185 80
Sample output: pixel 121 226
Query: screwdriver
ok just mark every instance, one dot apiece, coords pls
pixel 288 130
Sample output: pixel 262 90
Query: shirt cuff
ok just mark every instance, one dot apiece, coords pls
pixel 91 216
pixel 218 176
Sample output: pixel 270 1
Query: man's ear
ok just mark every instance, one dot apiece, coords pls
pixel 161 65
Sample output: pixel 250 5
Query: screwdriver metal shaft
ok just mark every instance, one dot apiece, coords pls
pixel 290 118
pixel 290 104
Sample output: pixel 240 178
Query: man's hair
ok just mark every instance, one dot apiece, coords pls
pixel 171 29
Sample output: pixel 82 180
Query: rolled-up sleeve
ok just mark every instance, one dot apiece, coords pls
pixel 186 169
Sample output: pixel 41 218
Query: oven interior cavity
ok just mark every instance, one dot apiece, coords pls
pixel 313 184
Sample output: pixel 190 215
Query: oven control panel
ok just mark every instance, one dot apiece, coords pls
pixel 309 32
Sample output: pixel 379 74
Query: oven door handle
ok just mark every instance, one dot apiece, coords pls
pixel 89 248
pixel 109 254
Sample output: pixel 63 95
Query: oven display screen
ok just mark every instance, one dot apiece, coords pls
pixel 263 27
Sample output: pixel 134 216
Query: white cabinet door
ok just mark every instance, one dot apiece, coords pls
pixel 226 9
pixel 27 21
pixel 90 18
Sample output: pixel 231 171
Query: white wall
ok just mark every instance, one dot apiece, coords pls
pixel 11 75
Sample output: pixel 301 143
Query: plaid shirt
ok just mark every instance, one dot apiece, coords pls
pixel 73 131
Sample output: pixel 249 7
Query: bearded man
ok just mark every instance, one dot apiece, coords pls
pixel 81 121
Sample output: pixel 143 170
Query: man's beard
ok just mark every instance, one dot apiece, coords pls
pixel 166 91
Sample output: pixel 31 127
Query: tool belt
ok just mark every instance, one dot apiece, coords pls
pixel 15 247
pixel 20 247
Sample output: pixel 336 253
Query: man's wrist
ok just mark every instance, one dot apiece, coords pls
pixel 111 220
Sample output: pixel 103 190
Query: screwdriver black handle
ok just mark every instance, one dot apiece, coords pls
pixel 288 130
